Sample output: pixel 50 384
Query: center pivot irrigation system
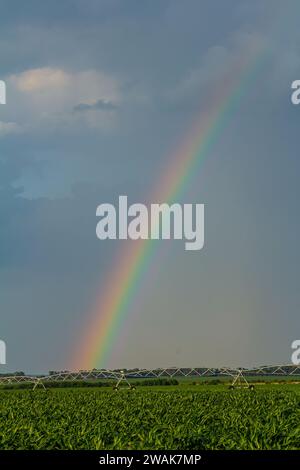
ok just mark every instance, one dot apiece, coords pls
pixel 123 377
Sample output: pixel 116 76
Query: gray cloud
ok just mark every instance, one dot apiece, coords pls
pixel 124 82
pixel 100 105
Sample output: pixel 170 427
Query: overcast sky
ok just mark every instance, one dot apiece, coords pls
pixel 99 94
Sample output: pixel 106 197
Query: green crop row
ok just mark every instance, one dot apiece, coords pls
pixel 94 419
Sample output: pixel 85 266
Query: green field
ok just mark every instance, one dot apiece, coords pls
pixel 176 417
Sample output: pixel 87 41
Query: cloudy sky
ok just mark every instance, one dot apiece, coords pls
pixel 99 95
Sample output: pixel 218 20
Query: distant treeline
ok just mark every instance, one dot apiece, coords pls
pixel 12 374
pixel 91 383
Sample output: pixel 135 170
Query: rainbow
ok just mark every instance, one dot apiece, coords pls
pixel 122 284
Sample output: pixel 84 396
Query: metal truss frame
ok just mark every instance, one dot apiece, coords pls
pixel 238 374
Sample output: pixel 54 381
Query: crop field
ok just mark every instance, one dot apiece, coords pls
pixel 194 418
